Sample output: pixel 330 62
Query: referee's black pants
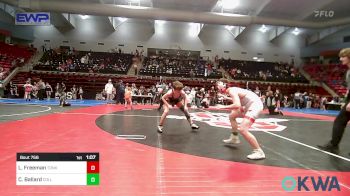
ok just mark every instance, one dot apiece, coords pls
pixel 339 125
pixel 272 110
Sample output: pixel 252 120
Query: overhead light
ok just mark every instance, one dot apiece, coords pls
pixel 133 7
pixel 229 4
pixel 122 19
pixel 84 17
pixel 228 14
pixel 229 27
pixel 134 1
pixel 263 29
pixel 194 29
pixel 160 22
pixel 255 58
pixel 296 31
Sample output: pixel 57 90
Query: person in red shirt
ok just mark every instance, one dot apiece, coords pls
pixel 27 91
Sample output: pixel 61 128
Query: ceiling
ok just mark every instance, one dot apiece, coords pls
pixel 286 9
pixel 300 10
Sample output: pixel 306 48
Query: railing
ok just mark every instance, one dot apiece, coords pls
pixel 10 76
pixel 120 76
pixel 8 9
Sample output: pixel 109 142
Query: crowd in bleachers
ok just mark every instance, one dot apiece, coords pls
pixel 188 68
pixel 115 61
pixel 165 65
pixel 12 56
pixel 262 71
pixel 205 96
pixel 69 60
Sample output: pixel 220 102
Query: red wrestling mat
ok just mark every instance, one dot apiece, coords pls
pixel 130 168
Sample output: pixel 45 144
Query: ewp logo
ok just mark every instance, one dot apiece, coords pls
pixel 317 183
pixel 31 18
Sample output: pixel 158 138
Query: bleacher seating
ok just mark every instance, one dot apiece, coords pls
pixel 178 67
pixel 92 62
pixel 331 74
pixel 261 71
pixel 12 56
pixel 91 70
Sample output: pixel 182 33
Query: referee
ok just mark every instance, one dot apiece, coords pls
pixel 344 116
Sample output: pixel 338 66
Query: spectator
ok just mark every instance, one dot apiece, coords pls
pixel 41 89
pixel 35 90
pixel 109 90
pixel 13 90
pixel 81 93
pixel 120 92
pixel 257 91
pixel 192 75
pixel 213 96
pixel 135 68
pixel 317 101
pixel 62 94
pixel 48 90
pixel 128 97
pixel 74 91
pixel 2 73
pixel 199 97
pixel 297 99
pixel 56 90
pixel 205 101
pixel 114 92
pixel 286 101
pixel 323 103
pixel 2 90
pixel 271 104
pixel 268 89
pixel 134 89
pixel 278 99
pixel 27 91
pixel 308 101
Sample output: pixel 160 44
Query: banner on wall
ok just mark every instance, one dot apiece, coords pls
pixel 33 18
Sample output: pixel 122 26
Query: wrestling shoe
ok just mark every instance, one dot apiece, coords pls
pixel 234 139
pixel 160 129
pixel 194 126
pixel 257 154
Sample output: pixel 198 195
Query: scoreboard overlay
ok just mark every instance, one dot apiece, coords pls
pixel 58 169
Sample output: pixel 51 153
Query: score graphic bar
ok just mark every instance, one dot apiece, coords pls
pixel 57 169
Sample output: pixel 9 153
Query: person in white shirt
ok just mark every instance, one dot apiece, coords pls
pixel 82 60
pixel 297 100
pixel 109 90
pixel 247 104
pixel 81 92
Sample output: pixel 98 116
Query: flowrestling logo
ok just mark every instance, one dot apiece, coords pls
pixel 311 183
pixel 222 120
pixel 324 13
pixel 33 18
